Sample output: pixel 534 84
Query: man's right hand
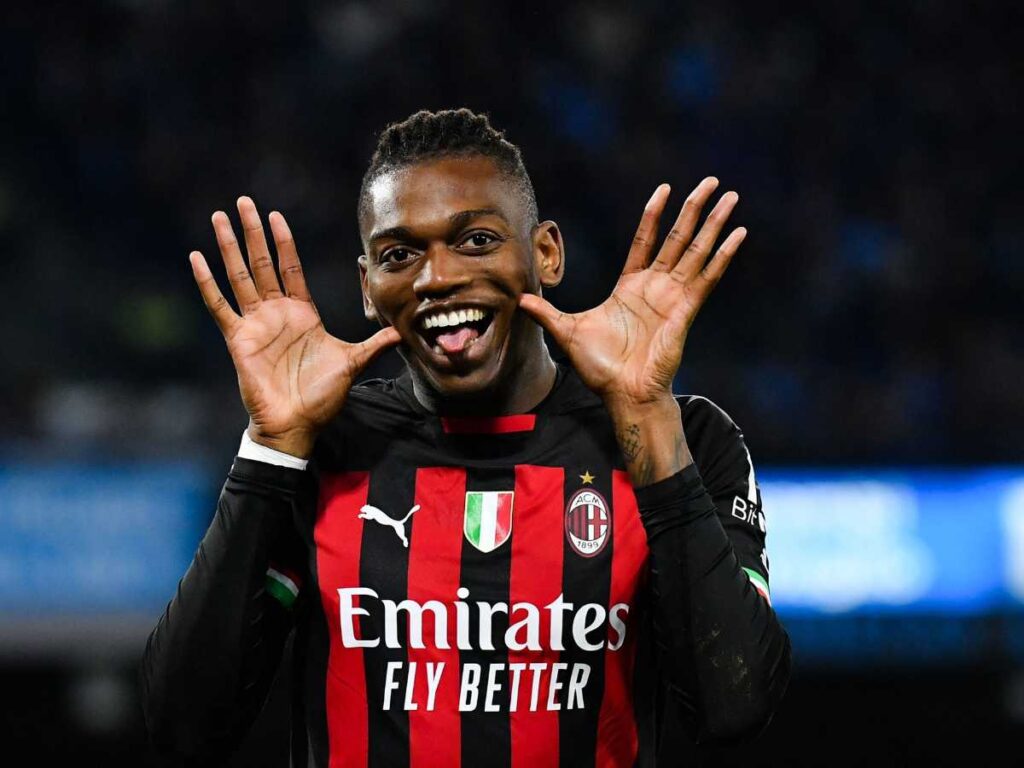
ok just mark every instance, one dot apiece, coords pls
pixel 293 375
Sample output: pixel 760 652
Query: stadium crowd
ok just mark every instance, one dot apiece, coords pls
pixel 871 316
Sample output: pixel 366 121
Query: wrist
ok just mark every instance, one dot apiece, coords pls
pixel 650 436
pixel 625 410
pixel 297 442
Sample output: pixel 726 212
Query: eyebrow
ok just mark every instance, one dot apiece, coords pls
pixel 456 220
pixel 462 218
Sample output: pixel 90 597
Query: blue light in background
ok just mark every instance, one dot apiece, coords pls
pixel 80 539
pixel 884 542
pixel 873 566
pixel 893 567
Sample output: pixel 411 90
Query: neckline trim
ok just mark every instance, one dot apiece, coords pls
pixel 488 425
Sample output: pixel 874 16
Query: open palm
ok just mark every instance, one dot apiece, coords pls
pixel 629 347
pixel 293 376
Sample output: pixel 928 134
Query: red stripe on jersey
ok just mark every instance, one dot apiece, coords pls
pixel 435 559
pixel 536 577
pixel 488 425
pixel 338 537
pixel 616 728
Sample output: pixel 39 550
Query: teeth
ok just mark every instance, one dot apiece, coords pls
pixel 455 317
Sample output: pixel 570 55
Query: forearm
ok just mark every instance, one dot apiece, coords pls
pixel 724 652
pixel 209 660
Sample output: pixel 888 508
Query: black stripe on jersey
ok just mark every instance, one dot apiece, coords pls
pixel 311 651
pixel 384 568
pixel 308 703
pixel 584 580
pixel 487 736
pixel 645 685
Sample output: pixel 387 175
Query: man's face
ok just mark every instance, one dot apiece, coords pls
pixel 449 250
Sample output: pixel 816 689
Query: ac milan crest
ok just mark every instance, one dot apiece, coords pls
pixel 588 522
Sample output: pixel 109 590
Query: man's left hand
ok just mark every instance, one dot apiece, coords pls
pixel 628 348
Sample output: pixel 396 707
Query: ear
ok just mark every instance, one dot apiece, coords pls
pixel 548 254
pixel 368 308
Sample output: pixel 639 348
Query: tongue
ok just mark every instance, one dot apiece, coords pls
pixel 455 341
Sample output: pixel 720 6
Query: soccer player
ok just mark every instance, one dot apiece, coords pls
pixel 493 559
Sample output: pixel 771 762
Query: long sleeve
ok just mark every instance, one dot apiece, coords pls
pixel 209 662
pixel 724 655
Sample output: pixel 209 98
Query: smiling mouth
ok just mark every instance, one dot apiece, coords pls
pixel 453 332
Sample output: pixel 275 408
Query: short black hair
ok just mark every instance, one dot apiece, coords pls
pixel 427 135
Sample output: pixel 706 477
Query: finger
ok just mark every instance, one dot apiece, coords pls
pixel 712 273
pixel 364 352
pixel 647 231
pixel 559 324
pixel 238 274
pixel 679 236
pixel 288 258
pixel 697 253
pixel 259 254
pixel 222 312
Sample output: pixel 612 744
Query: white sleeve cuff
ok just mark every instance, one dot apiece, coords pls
pixel 253 450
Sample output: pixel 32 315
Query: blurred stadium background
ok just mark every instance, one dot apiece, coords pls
pixel 867 338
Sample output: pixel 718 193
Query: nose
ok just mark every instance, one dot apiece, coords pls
pixel 441 272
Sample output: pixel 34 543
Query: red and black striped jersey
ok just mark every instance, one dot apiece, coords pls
pixel 471 591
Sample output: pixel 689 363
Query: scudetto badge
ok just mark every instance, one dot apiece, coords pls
pixel 588 523
pixel 487 522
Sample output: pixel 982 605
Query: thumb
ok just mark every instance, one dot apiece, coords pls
pixel 554 321
pixel 365 351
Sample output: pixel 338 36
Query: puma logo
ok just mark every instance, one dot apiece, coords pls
pixel 368 512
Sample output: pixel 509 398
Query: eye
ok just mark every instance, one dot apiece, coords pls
pixel 480 240
pixel 396 256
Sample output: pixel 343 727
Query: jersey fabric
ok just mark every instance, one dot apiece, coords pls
pixel 475 591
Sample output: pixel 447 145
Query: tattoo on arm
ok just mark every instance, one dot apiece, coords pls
pixel 640 466
pixel 629 440
pixel 644 467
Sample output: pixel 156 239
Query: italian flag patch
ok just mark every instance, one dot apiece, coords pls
pixel 488 518
pixel 283 585
pixel 759 583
